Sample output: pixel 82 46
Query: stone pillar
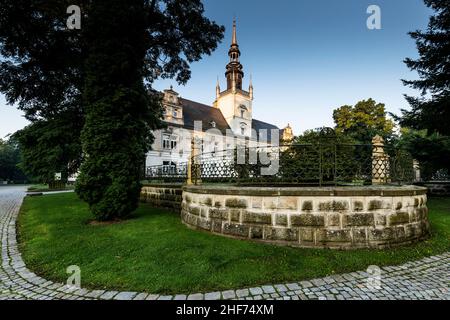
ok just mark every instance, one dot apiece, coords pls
pixel 380 162
pixel 189 164
pixel 196 161
pixel 416 166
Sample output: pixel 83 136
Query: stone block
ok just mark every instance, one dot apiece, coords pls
pixel 270 203
pixel 289 203
pixel 207 201
pixel 359 235
pixel 194 210
pixel 334 206
pixel 236 203
pixel 281 219
pixel 399 232
pixel 204 224
pixel 330 235
pixel 306 234
pixel 191 219
pixel 397 218
pixel 381 234
pixel 307 206
pixel 221 214
pixel 307 219
pixel 235 215
pixel 375 205
pixel 236 230
pixel 257 203
pixel 358 219
pixel 280 234
pixel 380 219
pixel 216 226
pixel 256 217
pixel 256 232
pixel 333 219
pixel 358 206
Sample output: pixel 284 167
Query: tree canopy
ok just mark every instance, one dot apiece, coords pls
pixel 363 121
pixel 100 77
pixel 9 161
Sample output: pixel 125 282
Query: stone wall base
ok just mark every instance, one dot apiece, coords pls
pixel 163 196
pixel 337 218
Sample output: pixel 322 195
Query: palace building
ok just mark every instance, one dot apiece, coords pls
pixel 229 121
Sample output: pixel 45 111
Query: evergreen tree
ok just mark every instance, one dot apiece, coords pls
pixel 431 111
pixel 102 75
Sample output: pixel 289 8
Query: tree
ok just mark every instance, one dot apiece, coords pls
pixel 432 151
pixel 9 161
pixel 51 146
pixel 363 121
pixel 102 75
pixel 431 111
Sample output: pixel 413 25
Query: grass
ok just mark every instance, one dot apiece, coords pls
pixel 46 188
pixel 154 252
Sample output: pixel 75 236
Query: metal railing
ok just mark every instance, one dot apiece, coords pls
pixel 295 164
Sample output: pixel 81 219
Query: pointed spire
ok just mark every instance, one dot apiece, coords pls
pixel 234 41
pixel 250 87
pixel 217 88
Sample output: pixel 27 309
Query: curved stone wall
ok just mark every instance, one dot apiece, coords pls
pixel 167 196
pixel 332 217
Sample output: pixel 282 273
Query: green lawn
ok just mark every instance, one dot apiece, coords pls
pixel 154 252
pixel 46 188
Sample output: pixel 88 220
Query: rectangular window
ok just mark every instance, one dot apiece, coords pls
pixel 169 142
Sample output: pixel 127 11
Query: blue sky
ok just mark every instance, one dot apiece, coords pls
pixel 307 57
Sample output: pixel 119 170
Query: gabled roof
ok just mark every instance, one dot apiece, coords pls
pixel 194 111
pixel 260 125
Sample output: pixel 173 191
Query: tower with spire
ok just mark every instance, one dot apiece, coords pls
pixel 235 103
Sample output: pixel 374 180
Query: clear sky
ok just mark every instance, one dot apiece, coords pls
pixel 307 57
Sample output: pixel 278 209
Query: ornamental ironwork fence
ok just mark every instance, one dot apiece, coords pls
pixel 321 164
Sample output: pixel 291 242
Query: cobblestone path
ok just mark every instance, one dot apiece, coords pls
pixel 428 278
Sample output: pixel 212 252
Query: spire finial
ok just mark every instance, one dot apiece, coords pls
pixel 234 41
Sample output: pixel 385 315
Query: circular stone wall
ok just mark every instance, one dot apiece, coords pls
pixel 331 217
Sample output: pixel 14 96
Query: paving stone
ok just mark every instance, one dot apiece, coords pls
pixel 140 296
pixel 293 286
pixel 256 291
pixel 108 295
pixel 229 294
pixel 196 296
pixel 125 295
pixel 280 288
pixel 213 296
pixel 268 289
pixel 242 293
